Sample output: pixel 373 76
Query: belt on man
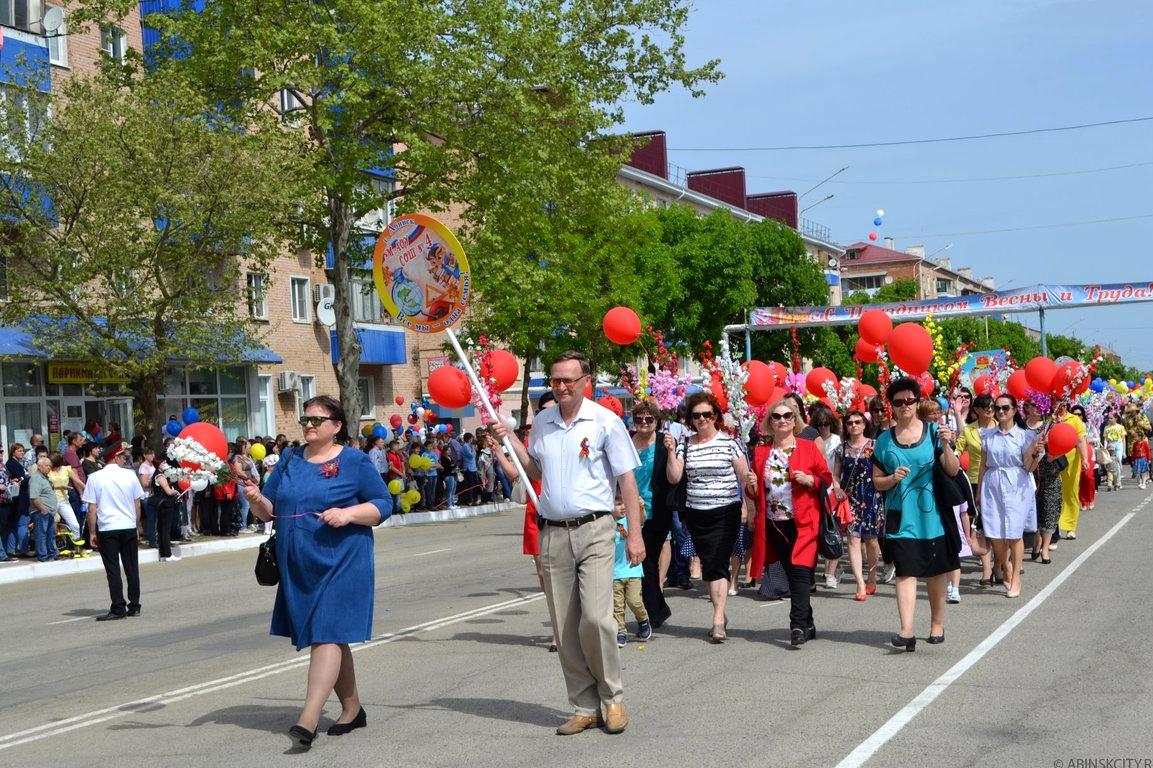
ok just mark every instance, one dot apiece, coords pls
pixel 574 522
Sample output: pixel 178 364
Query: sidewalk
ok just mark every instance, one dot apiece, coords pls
pixel 27 570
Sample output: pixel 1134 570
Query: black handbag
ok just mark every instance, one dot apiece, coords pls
pixel 679 493
pixel 267 572
pixel 829 542
pixel 947 495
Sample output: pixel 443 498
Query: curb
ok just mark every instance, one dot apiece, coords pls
pixel 27 571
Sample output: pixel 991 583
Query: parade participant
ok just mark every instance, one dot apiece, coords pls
pixel 853 479
pixel 1134 420
pixel 1087 486
pixel 788 477
pixel 43 503
pixel 1048 497
pixel 1140 459
pixel 714 464
pixel 627 584
pixel 929 411
pixel 64 479
pixel 1071 477
pixel 879 415
pixel 1008 503
pixel 980 416
pixel 113 496
pixel 580 452
pixel 326 498
pixel 824 420
pixel 16 534
pixel 915 534
pixel 1114 436
pixel 164 500
pixel 653 486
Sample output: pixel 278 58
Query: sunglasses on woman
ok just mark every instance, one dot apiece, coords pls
pixel 644 419
pixel 1003 408
pixel 854 423
pixel 902 402
pixel 787 416
pixel 315 421
pixel 698 415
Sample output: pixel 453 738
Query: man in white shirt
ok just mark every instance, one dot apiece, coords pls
pixel 113 496
pixel 581 451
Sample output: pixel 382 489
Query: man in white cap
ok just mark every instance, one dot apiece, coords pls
pixel 113 496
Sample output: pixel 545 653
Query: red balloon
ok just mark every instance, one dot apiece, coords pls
pixel 500 365
pixel 875 326
pixel 1018 384
pixel 984 385
pixel 718 390
pixel 430 417
pixel 450 387
pixel 911 348
pixel 815 381
pixel 965 461
pixel 589 390
pixel 184 483
pixel 395 420
pixel 398 400
pixel 927 384
pixel 412 418
pixel 613 404
pixel 872 235
pixel 1039 373
pixel 778 394
pixel 780 375
pixel 759 386
pixel 866 352
pixel 1070 375
pixel 622 326
pixel 208 435
pixel 1062 439
pixel 867 390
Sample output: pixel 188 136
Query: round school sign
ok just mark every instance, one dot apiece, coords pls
pixel 421 273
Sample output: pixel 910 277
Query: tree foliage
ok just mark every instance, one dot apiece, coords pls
pixel 132 217
pixel 469 107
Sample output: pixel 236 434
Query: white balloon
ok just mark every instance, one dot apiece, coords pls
pixel 511 422
pixel 199 484
pixel 420 413
pixel 880 212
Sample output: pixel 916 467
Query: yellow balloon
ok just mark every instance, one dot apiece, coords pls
pixel 405 506
pixel 258 451
pixel 366 430
pixel 395 487
pixel 414 461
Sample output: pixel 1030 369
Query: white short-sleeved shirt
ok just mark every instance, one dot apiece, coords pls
pixel 114 490
pixel 581 461
pixel 712 481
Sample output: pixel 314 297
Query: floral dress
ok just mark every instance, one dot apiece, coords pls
pixel 857 482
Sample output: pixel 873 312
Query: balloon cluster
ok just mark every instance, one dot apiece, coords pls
pixel 878 220
pixel 188 416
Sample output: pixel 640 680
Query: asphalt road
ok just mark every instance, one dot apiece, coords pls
pixel 458 672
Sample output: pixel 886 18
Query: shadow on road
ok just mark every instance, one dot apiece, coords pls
pixel 254 717
pixel 495 709
pixel 494 638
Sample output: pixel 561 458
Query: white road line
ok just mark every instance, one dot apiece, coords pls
pixel 48 730
pixel 78 618
pixel 867 748
pixel 433 552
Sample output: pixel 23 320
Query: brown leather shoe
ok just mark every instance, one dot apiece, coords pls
pixel 615 717
pixel 578 723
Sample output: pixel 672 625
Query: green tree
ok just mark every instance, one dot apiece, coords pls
pixel 898 290
pixel 133 217
pixel 461 106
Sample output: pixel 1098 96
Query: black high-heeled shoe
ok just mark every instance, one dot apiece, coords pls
pixel 339 729
pixel 303 736
pixel 908 643
pixel 1034 555
pixel 1046 560
pixel 936 639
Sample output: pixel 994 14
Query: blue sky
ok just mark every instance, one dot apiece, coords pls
pixel 850 71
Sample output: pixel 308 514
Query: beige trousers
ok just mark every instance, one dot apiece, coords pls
pixel 628 592
pixel 578 584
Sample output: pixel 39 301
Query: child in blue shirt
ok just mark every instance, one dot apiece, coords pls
pixel 627 584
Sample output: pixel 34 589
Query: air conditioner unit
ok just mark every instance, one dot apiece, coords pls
pixel 288 381
pixel 322 292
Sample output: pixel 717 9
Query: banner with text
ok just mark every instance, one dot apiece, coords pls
pixel 997 302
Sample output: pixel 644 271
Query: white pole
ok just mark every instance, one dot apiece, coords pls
pixel 528 489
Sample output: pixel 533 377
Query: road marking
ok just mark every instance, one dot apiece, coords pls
pixel 433 552
pixel 49 730
pixel 867 748
pixel 78 618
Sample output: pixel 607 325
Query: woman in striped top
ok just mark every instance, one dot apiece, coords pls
pixel 712 464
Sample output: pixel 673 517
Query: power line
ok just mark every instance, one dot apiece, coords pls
pixel 1025 229
pixel 904 142
pixel 968 179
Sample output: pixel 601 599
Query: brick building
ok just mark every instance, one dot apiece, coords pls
pixel 866 267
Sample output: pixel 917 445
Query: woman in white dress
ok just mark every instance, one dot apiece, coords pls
pixel 1008 505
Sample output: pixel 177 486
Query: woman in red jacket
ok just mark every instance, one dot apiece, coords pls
pixel 789 476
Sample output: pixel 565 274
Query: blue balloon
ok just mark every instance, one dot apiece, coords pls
pixel 943 403
pixel 1097 385
pixel 877 222
pixel 173 428
pixel 380 431
pixel 190 415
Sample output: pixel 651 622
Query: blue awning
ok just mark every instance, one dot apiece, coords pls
pixel 16 342
pixel 384 345
pixel 24 60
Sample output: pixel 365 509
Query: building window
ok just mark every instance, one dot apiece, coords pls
pixel 265 423
pixel 864 283
pixel 114 43
pixel 367 397
pixel 944 286
pixel 25 113
pixel 257 295
pixel 301 308
pixel 58 46
pixel 291 105
pixel 22 14
pixel 366 306
pixel 307 390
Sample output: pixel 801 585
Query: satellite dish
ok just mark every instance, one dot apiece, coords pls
pixel 53 19
pixel 833 263
pixel 326 312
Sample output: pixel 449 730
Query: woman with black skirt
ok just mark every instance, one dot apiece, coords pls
pixel 714 466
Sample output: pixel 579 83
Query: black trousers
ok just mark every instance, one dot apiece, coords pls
pixel 654 532
pixel 164 509
pixel 116 548
pixel 782 534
